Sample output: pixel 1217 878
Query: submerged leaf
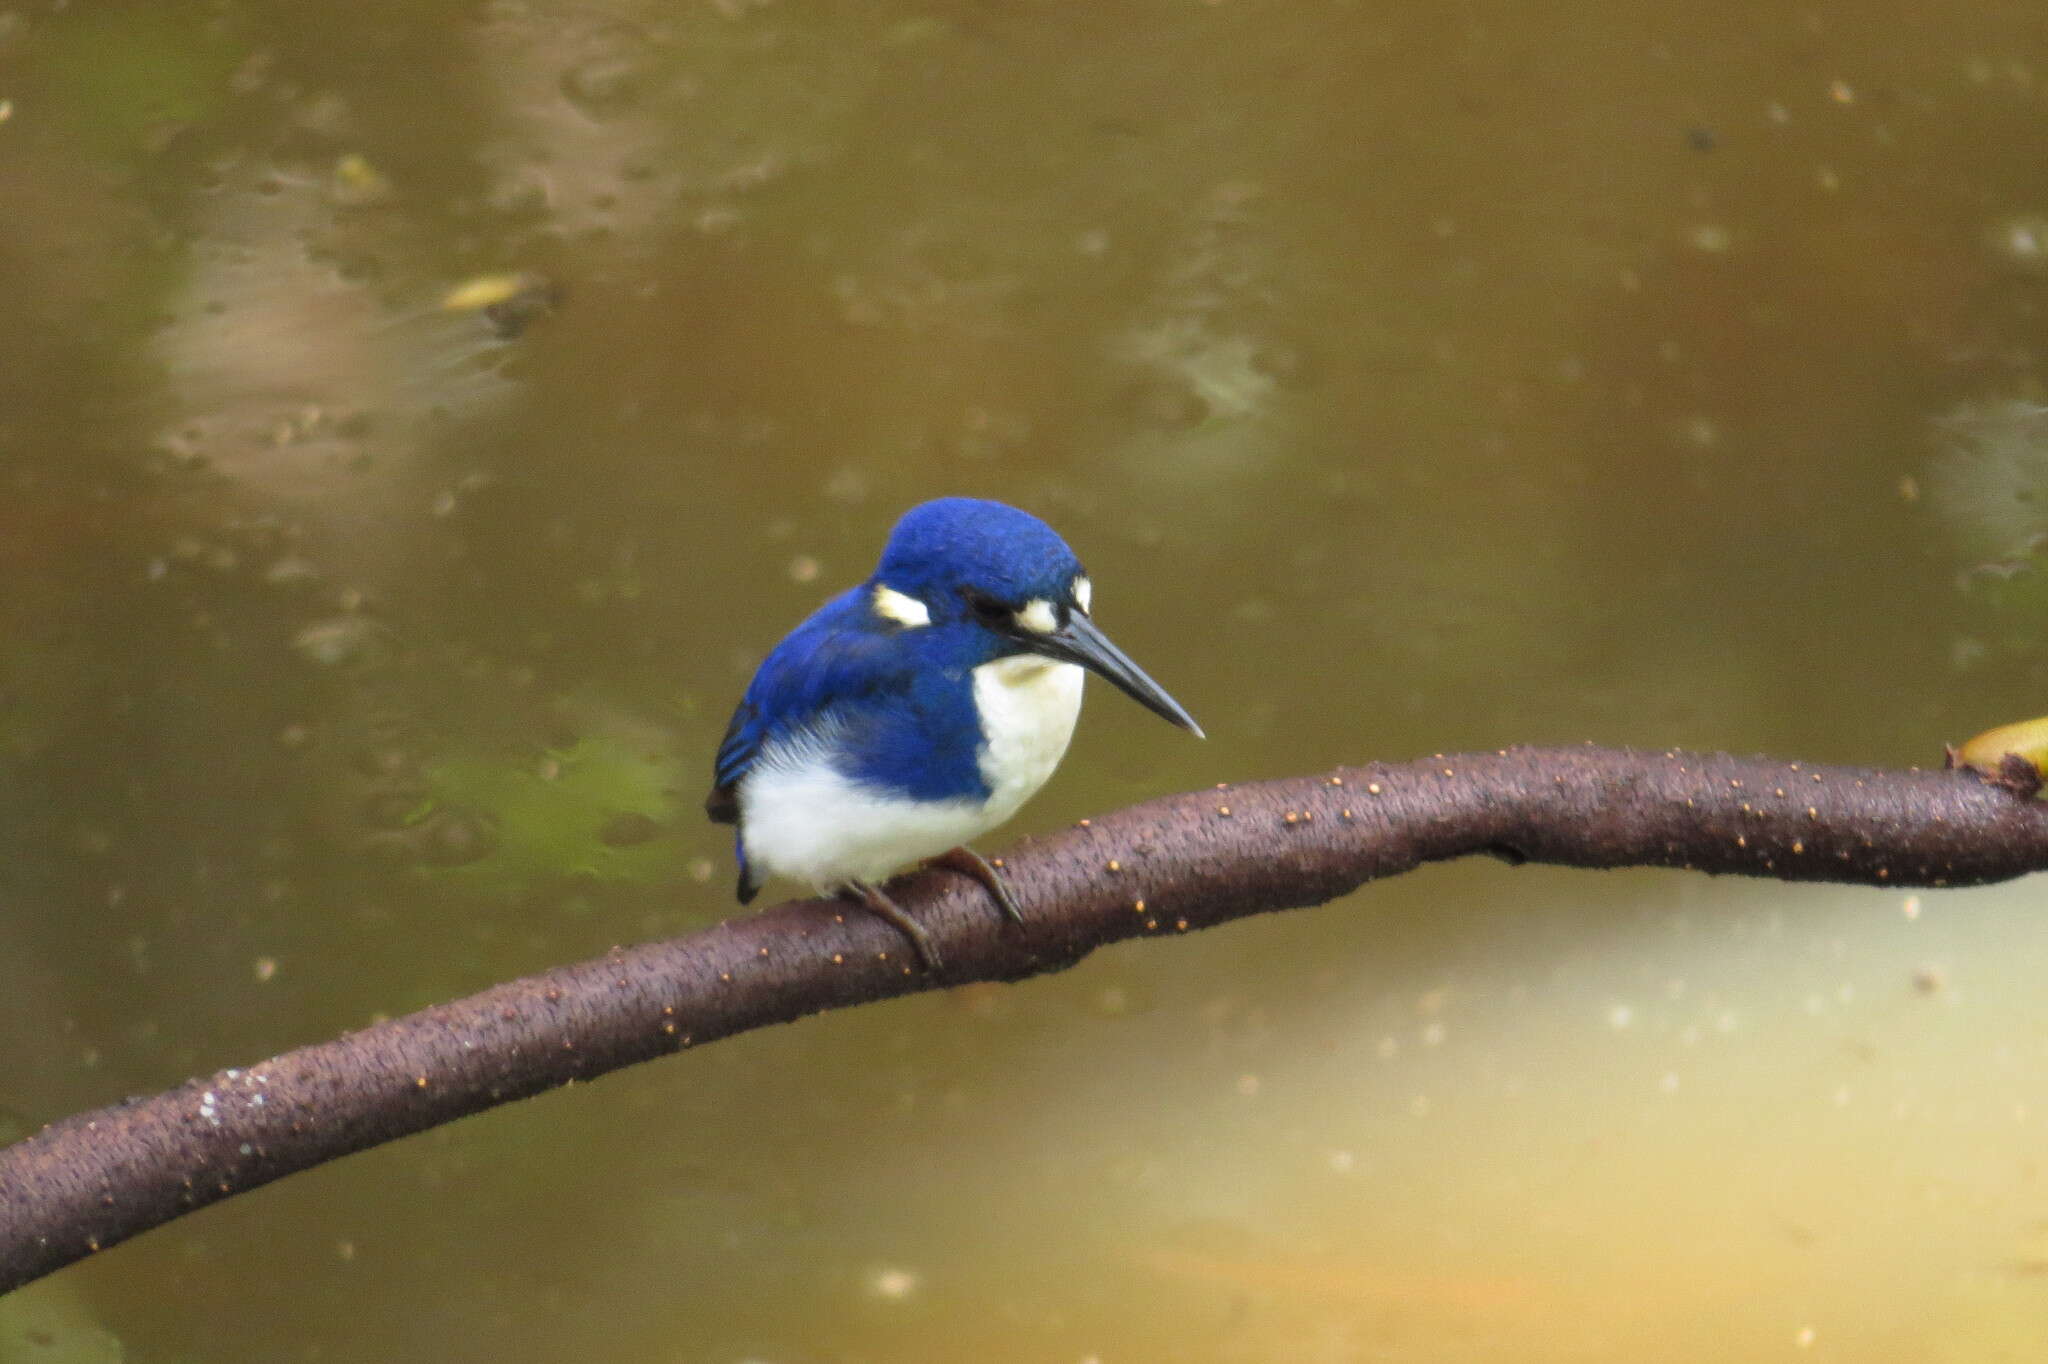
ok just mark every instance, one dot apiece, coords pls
pixel 559 819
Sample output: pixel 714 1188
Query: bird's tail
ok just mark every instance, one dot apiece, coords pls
pixel 749 884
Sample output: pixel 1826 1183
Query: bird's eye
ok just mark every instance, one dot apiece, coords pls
pixel 986 609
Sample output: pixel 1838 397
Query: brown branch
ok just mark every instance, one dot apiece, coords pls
pixel 1165 867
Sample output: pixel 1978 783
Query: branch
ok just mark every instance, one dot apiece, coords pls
pixel 1165 867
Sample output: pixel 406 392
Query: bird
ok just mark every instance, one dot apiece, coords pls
pixel 918 710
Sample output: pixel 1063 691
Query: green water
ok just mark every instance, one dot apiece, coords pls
pixel 1409 379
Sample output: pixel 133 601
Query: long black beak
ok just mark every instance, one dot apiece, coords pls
pixel 1078 641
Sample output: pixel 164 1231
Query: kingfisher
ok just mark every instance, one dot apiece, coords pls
pixel 918 710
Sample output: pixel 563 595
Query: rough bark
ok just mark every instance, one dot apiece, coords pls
pixel 1165 867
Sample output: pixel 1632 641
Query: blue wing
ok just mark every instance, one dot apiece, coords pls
pixel 839 658
pixel 899 700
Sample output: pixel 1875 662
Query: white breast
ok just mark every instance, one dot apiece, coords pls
pixel 803 820
pixel 1028 707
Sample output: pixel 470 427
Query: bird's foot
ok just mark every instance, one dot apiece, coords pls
pixel 880 904
pixel 968 862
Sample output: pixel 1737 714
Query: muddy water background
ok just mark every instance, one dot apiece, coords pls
pixel 1410 378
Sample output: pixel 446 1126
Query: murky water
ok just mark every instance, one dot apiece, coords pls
pixel 1409 378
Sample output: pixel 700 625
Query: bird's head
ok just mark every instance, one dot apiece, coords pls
pixel 1002 579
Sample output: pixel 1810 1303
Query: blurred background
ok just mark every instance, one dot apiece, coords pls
pixel 418 419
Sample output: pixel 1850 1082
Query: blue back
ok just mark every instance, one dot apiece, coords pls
pixel 898 704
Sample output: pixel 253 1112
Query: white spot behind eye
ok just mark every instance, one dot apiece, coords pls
pixel 906 611
pixel 1084 592
pixel 1039 617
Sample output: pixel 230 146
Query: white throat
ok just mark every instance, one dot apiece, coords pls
pixel 1028 706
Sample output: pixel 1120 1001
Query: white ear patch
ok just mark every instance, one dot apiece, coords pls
pixel 906 611
pixel 1039 617
pixel 1084 592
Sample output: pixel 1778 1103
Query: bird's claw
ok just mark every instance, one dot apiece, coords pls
pixel 968 862
pixel 878 903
